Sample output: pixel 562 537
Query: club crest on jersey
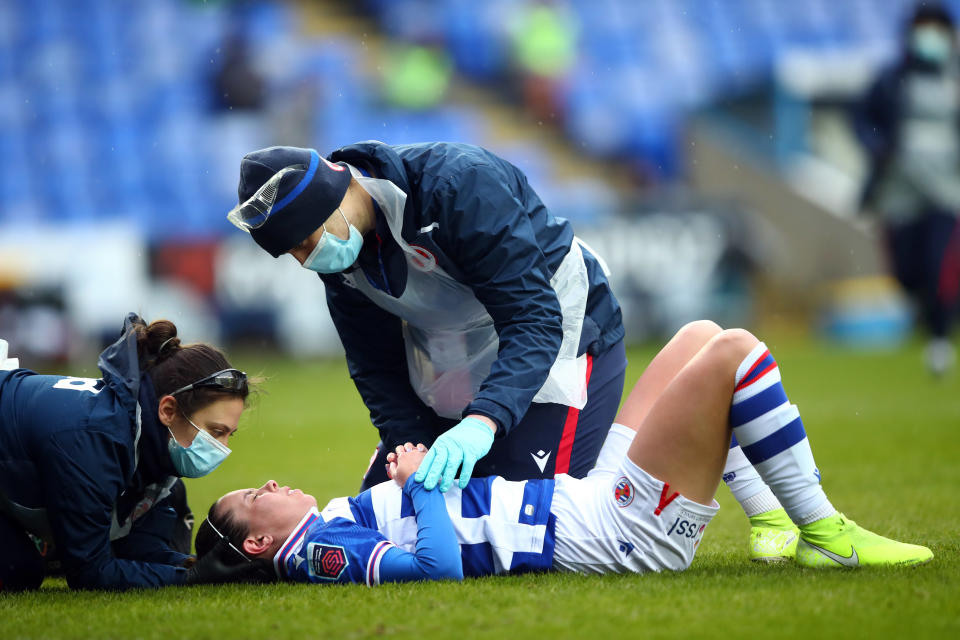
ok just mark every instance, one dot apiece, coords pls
pixel 326 561
pixel 623 492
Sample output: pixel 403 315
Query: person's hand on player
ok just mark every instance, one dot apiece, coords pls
pixel 392 461
pixel 464 444
pixel 404 461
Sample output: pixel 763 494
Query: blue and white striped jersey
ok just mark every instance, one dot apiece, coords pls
pixel 501 526
pixel 331 551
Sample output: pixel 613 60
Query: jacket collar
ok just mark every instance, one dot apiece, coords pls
pixel 120 363
pixel 154 457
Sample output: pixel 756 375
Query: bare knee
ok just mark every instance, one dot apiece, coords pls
pixel 699 330
pixel 729 347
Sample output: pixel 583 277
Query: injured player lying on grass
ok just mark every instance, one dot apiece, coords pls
pixel 644 507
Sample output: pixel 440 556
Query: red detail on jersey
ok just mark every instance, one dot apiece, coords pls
pixel 280 561
pixel 562 463
pixel 664 500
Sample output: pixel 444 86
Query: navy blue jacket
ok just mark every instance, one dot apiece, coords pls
pixel 494 235
pixel 73 447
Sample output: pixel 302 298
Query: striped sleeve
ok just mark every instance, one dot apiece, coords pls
pixel 373 563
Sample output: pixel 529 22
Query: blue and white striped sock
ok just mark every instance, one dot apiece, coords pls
pixel 771 434
pixel 745 483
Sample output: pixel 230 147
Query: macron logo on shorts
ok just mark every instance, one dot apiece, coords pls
pixel 541 457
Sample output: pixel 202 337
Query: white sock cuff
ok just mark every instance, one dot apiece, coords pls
pixel 749 361
pixel 825 510
pixel 760 503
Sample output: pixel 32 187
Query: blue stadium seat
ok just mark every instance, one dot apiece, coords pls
pixel 121 89
pixel 413 20
pixel 700 48
pixel 15 180
pixel 474 42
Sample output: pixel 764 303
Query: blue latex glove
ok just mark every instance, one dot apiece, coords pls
pixel 465 443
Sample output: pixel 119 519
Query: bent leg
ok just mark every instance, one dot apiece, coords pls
pixel 753 495
pixel 664 367
pixel 773 438
pixel 683 436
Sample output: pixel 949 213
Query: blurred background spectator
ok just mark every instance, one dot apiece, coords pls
pixel 909 125
pixel 702 146
pixel 237 84
pixel 543 42
pixel 416 75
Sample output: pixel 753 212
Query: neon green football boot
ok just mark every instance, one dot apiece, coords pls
pixel 839 542
pixel 773 537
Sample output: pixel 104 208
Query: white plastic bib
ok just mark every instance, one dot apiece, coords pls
pixel 450 338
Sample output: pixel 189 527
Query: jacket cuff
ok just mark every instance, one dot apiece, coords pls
pixel 496 412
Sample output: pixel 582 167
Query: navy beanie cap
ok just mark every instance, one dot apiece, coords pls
pixel 305 199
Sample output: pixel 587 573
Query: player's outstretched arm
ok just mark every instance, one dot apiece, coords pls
pixel 437 556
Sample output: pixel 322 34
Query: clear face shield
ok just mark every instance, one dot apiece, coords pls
pixel 254 213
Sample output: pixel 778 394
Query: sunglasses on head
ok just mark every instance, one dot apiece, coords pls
pixel 226 380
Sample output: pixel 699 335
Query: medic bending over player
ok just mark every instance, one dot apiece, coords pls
pixel 644 507
pixel 88 466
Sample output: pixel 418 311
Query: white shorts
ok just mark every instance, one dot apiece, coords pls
pixel 621 519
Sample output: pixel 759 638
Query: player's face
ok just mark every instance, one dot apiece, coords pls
pixel 270 509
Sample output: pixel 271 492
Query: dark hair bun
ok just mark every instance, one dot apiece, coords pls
pixel 158 340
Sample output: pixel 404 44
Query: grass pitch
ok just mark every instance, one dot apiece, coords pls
pixel 886 437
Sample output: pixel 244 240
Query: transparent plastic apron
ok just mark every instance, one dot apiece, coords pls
pixel 450 338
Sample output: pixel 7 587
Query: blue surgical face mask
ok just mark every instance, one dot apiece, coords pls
pixel 203 455
pixel 931 44
pixel 333 254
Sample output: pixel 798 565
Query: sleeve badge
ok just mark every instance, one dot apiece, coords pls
pixel 326 562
